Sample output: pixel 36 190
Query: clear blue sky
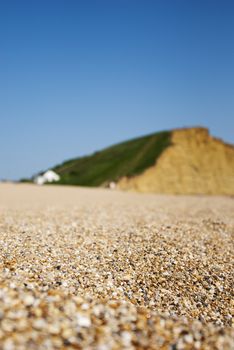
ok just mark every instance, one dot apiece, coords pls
pixel 79 75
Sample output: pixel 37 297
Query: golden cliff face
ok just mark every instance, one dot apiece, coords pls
pixel 195 163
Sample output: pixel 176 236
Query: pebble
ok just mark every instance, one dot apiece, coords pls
pixel 83 321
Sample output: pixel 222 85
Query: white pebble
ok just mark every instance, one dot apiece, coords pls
pixel 83 321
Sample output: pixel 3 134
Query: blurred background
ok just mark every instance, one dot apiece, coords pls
pixel 77 76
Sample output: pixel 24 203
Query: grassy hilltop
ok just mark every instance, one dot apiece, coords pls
pixel 180 161
pixel 125 159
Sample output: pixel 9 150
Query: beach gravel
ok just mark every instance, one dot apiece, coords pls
pixel 99 269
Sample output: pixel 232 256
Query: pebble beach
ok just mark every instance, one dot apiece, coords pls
pixel 98 269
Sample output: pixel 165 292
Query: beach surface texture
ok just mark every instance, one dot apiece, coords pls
pixel 99 269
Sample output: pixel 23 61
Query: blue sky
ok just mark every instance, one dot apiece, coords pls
pixel 79 75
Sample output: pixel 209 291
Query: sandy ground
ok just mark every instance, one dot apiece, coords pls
pixel 98 269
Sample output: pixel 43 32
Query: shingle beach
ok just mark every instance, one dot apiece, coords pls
pixel 100 269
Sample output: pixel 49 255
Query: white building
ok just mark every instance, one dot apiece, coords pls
pixel 112 185
pixel 48 177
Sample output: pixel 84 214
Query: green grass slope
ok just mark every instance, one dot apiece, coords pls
pixel 125 159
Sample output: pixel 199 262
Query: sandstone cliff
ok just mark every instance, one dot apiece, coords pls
pixel 195 163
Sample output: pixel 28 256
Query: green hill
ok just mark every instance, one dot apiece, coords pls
pixel 125 159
